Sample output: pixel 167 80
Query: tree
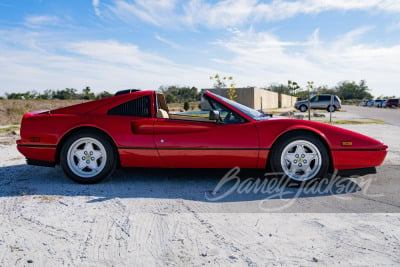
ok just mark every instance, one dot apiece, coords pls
pixel 232 89
pixel 186 106
pixel 103 94
pixel 351 90
pixel 293 86
pixel 279 88
pixel 67 93
pixel 177 94
pixel 26 95
pixel 46 94
pixel 219 82
pixel 86 94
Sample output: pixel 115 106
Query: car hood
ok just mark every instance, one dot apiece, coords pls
pixel 334 136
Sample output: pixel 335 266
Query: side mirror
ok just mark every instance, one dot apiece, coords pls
pixel 214 116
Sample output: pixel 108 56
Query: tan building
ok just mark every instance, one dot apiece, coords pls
pixel 255 98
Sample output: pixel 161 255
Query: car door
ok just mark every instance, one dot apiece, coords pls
pixel 199 144
pixel 314 102
pixel 324 101
pixel 131 124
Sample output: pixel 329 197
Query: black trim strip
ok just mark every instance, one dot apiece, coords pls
pixel 43 163
pixel 360 149
pixel 191 148
pixel 53 146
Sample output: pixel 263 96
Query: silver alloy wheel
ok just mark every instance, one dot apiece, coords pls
pixel 301 160
pixel 331 109
pixel 303 108
pixel 86 157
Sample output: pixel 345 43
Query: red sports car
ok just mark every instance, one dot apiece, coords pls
pixel 135 129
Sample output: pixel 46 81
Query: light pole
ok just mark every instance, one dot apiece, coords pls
pixel 310 86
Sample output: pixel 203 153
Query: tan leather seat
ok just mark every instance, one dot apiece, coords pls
pixel 162 114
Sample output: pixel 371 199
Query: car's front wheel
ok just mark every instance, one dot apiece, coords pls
pixel 300 157
pixel 88 157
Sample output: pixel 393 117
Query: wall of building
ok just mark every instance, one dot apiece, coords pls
pixel 245 96
pixel 268 99
pixel 287 101
pixel 255 98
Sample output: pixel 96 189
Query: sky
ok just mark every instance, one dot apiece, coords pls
pixel 119 44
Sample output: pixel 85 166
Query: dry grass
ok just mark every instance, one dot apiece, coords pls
pixel 11 111
pixel 178 107
pixel 9 129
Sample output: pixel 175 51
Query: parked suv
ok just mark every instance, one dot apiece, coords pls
pixel 319 102
pixel 392 103
pixel 378 103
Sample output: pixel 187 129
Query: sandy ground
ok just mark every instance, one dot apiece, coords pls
pixel 47 220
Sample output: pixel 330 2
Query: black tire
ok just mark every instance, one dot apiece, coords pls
pixel 303 108
pixel 310 142
pixel 331 107
pixel 104 151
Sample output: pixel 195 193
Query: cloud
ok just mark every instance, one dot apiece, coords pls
pixel 113 52
pixel 232 13
pixel 101 64
pixel 96 4
pixel 40 20
pixel 262 57
pixel 219 15
pixel 154 12
pixel 168 42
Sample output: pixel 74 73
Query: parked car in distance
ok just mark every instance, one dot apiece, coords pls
pixel 392 103
pixel 364 103
pixel 371 103
pixel 378 103
pixel 322 101
pixel 383 104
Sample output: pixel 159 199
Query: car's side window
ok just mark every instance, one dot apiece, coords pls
pixel 324 98
pixel 228 116
pixel 139 107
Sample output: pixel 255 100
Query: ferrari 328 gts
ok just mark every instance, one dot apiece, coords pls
pixel 136 129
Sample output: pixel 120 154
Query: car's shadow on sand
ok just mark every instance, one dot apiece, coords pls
pixel 206 185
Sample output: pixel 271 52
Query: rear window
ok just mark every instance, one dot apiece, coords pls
pixel 139 107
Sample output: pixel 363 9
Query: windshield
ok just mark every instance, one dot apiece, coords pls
pixel 254 114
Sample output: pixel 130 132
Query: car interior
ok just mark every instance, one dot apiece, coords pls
pixel 163 112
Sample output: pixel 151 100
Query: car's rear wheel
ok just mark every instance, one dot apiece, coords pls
pixel 303 108
pixel 88 157
pixel 331 108
pixel 300 156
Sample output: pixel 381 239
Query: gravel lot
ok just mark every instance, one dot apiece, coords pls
pixel 168 217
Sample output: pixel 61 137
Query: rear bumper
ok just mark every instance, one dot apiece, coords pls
pixel 46 153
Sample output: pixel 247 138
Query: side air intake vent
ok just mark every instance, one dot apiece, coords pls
pixel 139 107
